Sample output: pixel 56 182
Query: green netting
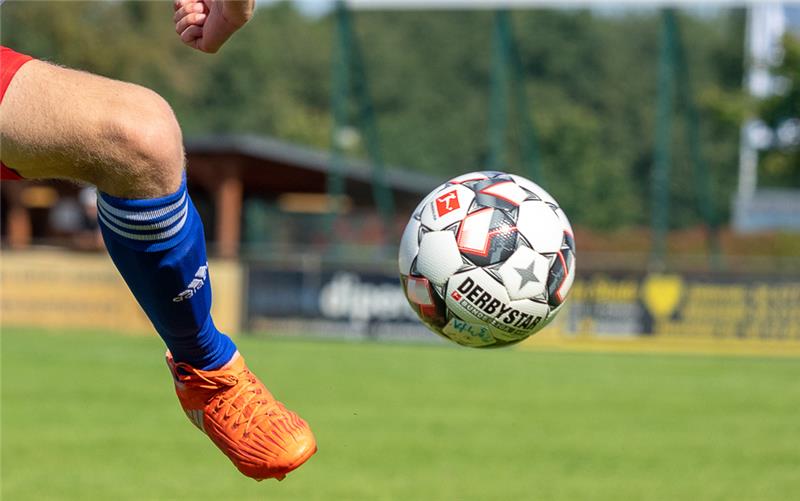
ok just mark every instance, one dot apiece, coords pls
pixel 508 74
pixel 350 83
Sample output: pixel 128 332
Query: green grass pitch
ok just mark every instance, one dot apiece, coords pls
pixel 93 417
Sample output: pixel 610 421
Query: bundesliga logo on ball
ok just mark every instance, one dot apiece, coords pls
pixel 487 259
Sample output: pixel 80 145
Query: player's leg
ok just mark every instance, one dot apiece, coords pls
pixel 60 123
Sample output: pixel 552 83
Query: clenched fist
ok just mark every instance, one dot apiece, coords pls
pixel 206 24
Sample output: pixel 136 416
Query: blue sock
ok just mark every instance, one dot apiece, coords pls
pixel 159 248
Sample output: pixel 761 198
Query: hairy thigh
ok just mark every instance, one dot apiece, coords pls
pixel 61 123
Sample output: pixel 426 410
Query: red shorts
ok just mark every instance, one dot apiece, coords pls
pixel 10 62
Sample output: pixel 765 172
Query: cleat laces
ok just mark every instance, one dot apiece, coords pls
pixel 248 402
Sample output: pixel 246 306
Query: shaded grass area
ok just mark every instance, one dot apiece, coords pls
pixel 93 416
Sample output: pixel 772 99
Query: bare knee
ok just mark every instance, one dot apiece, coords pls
pixel 63 123
pixel 143 146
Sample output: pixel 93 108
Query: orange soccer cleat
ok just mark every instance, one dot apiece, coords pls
pixel 239 414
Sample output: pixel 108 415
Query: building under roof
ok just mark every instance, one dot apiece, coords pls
pixel 295 168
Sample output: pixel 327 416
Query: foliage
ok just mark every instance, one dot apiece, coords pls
pixel 782 166
pixel 591 87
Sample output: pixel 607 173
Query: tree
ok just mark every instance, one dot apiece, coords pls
pixel 591 84
pixel 781 166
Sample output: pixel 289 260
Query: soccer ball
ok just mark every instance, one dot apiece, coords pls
pixel 487 259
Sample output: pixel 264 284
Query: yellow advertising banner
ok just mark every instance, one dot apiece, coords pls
pixel 59 289
pixel 671 312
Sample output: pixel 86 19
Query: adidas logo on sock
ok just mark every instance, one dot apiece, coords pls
pixel 194 285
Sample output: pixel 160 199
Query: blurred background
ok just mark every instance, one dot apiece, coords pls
pixel 670 136
pixel 669 133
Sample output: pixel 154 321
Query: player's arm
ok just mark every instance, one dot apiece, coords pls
pixel 207 24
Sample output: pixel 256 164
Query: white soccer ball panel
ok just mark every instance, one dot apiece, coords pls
pixel 537 314
pixel 470 176
pixel 409 246
pixel 533 187
pixel 418 210
pixel 475 296
pixel 508 191
pixel 448 205
pixel 479 299
pixel 525 274
pixel 438 256
pixel 468 333
pixel 540 226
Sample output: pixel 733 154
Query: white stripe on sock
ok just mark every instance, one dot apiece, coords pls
pixel 140 216
pixel 145 227
pixel 153 236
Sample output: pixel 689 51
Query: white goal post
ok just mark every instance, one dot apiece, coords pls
pixel 511 4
